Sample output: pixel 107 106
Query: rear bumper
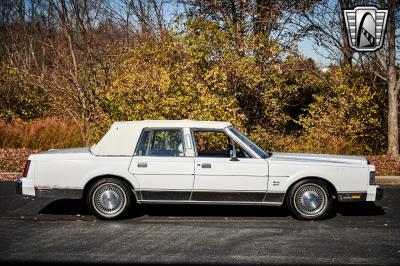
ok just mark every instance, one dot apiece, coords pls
pixel 18 186
pixel 59 193
pixel 379 193
pixel 25 186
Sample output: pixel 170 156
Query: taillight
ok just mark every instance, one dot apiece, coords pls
pixel 26 169
pixel 372 177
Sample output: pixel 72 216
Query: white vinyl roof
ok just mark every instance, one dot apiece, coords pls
pixel 175 123
pixel 121 138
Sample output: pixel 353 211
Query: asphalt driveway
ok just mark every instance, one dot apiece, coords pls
pixel 62 231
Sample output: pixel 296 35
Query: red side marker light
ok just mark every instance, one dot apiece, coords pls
pixel 26 169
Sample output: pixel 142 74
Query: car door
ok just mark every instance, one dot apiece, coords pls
pixel 224 171
pixel 160 165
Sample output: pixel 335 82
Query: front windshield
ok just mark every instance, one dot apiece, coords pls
pixel 249 143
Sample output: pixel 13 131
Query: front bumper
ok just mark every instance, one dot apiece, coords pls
pixel 373 193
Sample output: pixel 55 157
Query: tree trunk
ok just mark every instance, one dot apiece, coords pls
pixel 347 52
pixel 393 92
pixel 393 123
pixel 85 130
pixel 21 11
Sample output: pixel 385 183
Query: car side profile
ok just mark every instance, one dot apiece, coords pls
pixel 195 162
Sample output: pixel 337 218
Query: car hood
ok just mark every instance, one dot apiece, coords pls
pixel 317 158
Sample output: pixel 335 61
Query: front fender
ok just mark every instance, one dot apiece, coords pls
pixel 308 174
pixel 283 183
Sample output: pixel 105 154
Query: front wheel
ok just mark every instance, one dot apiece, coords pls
pixel 109 198
pixel 310 200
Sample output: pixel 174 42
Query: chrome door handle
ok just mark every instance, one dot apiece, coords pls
pixel 142 165
pixel 205 165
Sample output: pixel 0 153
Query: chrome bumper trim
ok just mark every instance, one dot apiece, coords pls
pixel 59 193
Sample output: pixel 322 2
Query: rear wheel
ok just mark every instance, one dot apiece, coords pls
pixel 109 198
pixel 310 200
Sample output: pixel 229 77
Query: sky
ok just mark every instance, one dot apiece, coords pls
pixel 308 49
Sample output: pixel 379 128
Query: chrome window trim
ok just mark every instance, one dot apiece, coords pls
pixel 135 154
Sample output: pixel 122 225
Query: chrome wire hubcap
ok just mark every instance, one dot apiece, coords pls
pixel 310 199
pixel 109 199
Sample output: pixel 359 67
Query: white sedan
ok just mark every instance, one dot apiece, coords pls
pixel 195 162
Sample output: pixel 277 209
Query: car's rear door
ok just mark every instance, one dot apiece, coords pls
pixel 160 165
pixel 222 177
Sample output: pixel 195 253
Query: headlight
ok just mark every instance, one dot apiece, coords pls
pixel 372 178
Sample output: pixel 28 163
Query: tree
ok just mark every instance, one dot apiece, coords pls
pixel 382 65
pixel 391 73
pixel 323 21
pixel 343 118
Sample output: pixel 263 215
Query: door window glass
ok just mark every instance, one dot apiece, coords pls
pixel 216 144
pixel 161 142
pixel 249 143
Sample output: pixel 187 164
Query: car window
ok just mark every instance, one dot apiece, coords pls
pixel 161 142
pixel 240 153
pixel 249 143
pixel 216 144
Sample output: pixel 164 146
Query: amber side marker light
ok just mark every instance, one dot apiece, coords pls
pixel 356 196
pixel 26 169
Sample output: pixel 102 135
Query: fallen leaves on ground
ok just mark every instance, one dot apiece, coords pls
pixel 385 166
pixel 13 161
pixel 9 177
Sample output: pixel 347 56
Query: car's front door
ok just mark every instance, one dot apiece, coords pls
pixel 224 171
pixel 161 167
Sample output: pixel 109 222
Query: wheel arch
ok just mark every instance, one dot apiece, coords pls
pixel 331 187
pixel 91 181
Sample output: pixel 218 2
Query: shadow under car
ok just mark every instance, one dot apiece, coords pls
pixel 77 206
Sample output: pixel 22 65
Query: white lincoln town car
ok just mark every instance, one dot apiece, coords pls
pixel 195 162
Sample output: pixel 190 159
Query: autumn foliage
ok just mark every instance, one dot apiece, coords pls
pixel 65 78
pixel 40 134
